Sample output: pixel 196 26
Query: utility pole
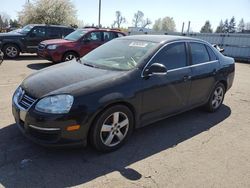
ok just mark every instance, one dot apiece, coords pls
pixel 99 19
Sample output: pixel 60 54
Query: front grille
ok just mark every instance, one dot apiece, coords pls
pixel 26 101
pixel 41 46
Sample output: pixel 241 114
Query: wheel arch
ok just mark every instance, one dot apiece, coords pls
pixel 114 103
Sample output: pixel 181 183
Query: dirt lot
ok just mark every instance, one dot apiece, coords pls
pixel 194 149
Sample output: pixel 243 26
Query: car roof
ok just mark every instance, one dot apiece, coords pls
pixel 159 38
pixel 97 29
pixel 63 26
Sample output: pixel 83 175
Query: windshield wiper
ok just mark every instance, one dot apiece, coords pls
pixel 90 65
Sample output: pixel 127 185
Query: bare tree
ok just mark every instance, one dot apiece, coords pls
pixel 119 19
pixel 146 23
pixel 138 18
pixel 48 12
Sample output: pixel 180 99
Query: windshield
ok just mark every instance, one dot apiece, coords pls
pixel 26 29
pixel 119 54
pixel 76 35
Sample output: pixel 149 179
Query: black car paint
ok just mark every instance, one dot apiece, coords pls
pixel 95 89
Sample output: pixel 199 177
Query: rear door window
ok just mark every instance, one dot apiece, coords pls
pixel 95 36
pixel 199 53
pixel 108 35
pixel 173 56
pixel 38 32
pixel 212 55
pixel 53 32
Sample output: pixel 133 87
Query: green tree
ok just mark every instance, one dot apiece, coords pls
pixel 157 25
pixel 14 23
pixel 48 12
pixel 219 29
pixel 165 24
pixel 225 28
pixel 231 25
pixel 241 26
pixel 207 28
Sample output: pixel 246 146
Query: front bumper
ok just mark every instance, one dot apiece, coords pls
pixel 48 130
pixel 50 55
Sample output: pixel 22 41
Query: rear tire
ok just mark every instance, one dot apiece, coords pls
pixel 216 98
pixel 69 56
pixel 11 51
pixel 112 128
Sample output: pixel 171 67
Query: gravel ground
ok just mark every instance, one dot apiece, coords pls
pixel 193 149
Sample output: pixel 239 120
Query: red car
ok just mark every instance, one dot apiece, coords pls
pixel 76 44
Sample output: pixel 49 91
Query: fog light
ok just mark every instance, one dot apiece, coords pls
pixel 73 127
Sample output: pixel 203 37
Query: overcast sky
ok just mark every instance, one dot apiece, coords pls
pixel 197 11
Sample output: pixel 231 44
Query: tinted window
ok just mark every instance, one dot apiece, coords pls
pixel 172 56
pixel 211 54
pixel 38 32
pixel 53 32
pixel 95 36
pixel 109 36
pixel 198 53
pixel 67 31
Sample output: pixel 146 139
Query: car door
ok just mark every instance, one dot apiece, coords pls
pixel 167 94
pixel 91 41
pixel 34 37
pixel 204 68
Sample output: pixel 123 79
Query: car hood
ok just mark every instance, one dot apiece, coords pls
pixel 69 77
pixel 56 41
pixel 11 34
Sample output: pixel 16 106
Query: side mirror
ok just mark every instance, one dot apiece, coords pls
pixel 156 69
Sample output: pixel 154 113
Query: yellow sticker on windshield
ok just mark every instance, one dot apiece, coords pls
pixel 138 44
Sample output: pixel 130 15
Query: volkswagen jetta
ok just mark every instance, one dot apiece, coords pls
pixel 126 83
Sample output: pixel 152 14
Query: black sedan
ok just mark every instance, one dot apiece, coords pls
pixel 127 83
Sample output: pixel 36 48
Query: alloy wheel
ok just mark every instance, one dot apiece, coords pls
pixel 217 97
pixel 69 57
pixel 114 129
pixel 11 51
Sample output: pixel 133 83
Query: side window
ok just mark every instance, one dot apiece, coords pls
pixel 53 32
pixel 212 55
pixel 67 31
pixel 95 36
pixel 120 35
pixel 38 32
pixel 172 56
pixel 109 36
pixel 198 53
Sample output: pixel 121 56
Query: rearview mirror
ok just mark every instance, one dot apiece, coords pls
pixel 156 69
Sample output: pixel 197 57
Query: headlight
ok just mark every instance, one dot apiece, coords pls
pixel 58 104
pixel 52 47
pixel 18 93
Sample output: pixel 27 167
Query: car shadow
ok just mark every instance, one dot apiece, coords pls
pixel 39 66
pixel 24 164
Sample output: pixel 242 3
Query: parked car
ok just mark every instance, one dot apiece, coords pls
pixel 76 44
pixel 26 40
pixel 1 57
pixel 124 84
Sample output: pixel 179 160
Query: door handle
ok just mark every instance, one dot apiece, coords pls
pixel 186 78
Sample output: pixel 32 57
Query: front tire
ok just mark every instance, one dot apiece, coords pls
pixel 112 128
pixel 216 98
pixel 11 51
pixel 69 56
